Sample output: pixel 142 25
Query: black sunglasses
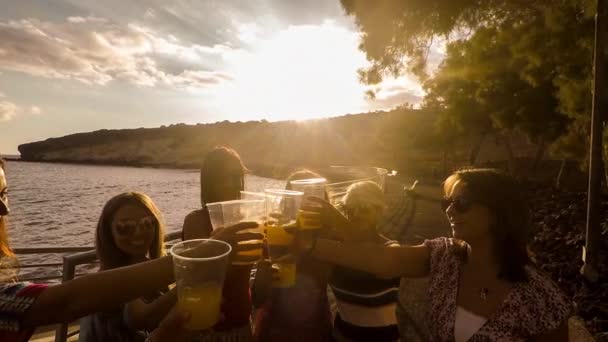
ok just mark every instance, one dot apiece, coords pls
pixel 128 227
pixel 460 204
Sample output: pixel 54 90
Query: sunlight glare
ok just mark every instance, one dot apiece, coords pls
pixel 301 72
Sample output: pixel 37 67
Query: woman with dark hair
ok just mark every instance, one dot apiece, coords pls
pixel 298 313
pixel 25 306
pixel 482 284
pixel 129 231
pixel 223 179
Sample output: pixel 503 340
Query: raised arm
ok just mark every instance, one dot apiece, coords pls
pixel 383 261
pixel 142 315
pixel 100 291
pixel 372 257
pixel 106 290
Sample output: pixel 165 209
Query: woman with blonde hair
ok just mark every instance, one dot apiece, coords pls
pixel 366 303
pixel 130 230
pixel 25 306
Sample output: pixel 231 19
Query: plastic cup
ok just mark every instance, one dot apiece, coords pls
pixel 200 268
pixel 345 176
pixel 250 195
pixel 281 214
pixel 229 213
pixel 310 187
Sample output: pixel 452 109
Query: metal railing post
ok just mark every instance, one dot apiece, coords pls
pixel 69 268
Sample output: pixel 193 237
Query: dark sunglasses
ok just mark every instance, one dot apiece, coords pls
pixel 460 204
pixel 128 227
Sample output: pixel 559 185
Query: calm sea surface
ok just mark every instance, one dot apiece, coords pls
pixel 59 204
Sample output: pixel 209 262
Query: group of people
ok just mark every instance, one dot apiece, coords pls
pixel 482 286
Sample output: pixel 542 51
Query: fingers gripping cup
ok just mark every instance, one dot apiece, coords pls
pixel 200 268
pixel 281 213
pixel 229 213
pixel 310 187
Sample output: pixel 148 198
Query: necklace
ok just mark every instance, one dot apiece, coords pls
pixel 483 293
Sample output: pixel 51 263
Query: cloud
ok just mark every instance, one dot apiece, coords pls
pixel 8 110
pixel 396 92
pixel 35 110
pixel 94 50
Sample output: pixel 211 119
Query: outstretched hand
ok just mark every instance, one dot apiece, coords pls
pixel 331 218
pixel 240 232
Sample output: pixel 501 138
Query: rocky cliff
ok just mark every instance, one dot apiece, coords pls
pixel 400 139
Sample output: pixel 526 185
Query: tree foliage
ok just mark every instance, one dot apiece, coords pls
pixel 509 65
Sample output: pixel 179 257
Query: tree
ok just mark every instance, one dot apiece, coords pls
pixel 479 91
pixel 545 48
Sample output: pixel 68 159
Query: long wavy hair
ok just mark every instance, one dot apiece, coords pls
pixel 213 167
pixel 110 256
pixel 5 248
pixel 503 196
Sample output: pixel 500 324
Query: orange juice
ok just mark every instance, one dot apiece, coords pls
pixel 258 252
pixel 286 275
pixel 276 235
pixel 278 241
pixel 203 303
pixel 308 224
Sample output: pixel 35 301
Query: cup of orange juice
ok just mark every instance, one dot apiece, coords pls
pixel 281 214
pixel 200 268
pixel 229 213
pixel 310 187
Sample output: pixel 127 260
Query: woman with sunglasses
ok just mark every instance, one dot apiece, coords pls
pixel 129 231
pixel 25 306
pixel 483 286
pixel 223 179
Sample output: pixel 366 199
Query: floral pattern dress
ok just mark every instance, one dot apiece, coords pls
pixel 531 308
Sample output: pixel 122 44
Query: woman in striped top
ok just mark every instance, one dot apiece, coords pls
pixel 366 304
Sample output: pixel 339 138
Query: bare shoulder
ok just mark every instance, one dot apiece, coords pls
pixel 196 225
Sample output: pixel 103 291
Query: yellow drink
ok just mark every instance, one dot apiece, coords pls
pixel 203 303
pixel 286 275
pixel 309 223
pixel 279 242
pixel 258 252
pixel 276 235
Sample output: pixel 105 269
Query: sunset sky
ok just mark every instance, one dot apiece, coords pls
pixel 70 66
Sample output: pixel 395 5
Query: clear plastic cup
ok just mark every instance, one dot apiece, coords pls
pixel 345 176
pixel 200 269
pixel 281 214
pixel 229 213
pixel 250 195
pixel 310 187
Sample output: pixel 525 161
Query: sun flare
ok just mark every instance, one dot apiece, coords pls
pixel 301 72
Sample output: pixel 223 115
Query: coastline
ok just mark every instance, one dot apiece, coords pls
pixel 257 169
